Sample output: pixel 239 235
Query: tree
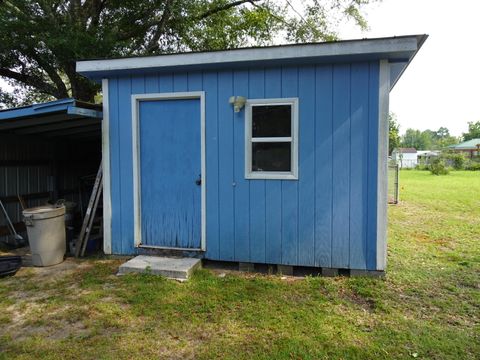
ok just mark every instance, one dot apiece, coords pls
pixel 393 133
pixel 40 40
pixel 473 131
pixel 417 139
pixel 428 139
pixel 442 139
pixel 442 133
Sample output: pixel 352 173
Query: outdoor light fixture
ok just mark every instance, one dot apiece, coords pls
pixel 238 102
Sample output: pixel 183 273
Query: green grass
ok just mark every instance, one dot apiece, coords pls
pixel 427 307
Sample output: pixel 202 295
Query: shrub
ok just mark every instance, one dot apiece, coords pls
pixel 456 160
pixel 438 167
pixel 472 166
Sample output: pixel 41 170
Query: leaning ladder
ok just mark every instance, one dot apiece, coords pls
pixel 81 243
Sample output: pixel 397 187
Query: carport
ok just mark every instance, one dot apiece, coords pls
pixel 48 152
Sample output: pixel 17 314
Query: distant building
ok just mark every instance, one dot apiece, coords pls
pixel 424 156
pixel 405 157
pixel 471 147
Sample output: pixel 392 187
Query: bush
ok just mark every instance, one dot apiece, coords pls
pixel 438 167
pixel 472 166
pixel 458 161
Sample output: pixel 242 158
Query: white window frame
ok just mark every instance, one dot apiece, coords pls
pixel 272 175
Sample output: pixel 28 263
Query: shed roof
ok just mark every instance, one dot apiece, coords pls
pixel 406 150
pixel 65 118
pixel 399 51
pixel 428 153
pixel 472 144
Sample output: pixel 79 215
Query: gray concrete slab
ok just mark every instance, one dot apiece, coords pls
pixel 177 268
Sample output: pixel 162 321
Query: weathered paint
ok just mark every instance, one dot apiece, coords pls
pixel 169 156
pixel 327 218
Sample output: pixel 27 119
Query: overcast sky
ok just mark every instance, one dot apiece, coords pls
pixel 441 87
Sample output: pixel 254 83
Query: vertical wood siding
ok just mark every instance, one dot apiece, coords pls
pixel 327 218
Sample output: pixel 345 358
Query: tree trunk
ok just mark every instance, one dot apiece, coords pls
pixel 82 89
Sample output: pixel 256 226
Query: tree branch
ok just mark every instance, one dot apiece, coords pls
pixel 93 9
pixel 223 8
pixel 153 43
pixel 33 81
pixel 53 75
pixel 270 13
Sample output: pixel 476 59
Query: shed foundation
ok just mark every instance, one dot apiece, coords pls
pixel 173 268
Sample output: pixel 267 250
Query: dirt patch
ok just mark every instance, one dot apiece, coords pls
pixel 67 267
pixel 366 304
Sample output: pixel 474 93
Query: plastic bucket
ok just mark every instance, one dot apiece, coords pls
pixel 46 234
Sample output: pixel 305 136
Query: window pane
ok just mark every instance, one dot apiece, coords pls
pixel 274 156
pixel 271 121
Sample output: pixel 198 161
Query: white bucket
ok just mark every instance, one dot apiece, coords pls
pixel 46 234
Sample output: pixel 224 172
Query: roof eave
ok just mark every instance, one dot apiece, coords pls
pixel 395 49
pixel 68 105
pixel 420 41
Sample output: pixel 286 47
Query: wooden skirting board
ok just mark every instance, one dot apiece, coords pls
pixel 290 270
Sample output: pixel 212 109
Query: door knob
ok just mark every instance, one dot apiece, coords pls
pixel 199 180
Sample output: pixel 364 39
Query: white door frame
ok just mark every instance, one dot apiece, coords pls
pixel 137 206
pixel 107 190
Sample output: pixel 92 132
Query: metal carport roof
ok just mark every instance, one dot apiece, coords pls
pixel 68 118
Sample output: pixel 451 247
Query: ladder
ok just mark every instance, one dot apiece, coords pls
pixel 82 240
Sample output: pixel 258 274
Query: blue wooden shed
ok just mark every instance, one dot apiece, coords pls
pixel 272 155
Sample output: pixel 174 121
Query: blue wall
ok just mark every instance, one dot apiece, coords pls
pixel 327 218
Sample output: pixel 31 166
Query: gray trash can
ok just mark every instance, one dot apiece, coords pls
pixel 46 234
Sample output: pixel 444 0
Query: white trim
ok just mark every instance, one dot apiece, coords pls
pixel 169 248
pixel 137 232
pixel 271 139
pixel 271 175
pixel 136 98
pixel 393 47
pixel 266 175
pixel 107 195
pixel 382 164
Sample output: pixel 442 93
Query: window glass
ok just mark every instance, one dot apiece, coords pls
pixel 271 156
pixel 272 121
pixel 271 128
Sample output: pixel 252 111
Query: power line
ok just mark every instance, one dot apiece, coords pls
pixel 295 10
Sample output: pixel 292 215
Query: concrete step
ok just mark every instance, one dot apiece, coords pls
pixel 177 268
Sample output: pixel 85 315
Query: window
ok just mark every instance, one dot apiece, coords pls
pixel 271 146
